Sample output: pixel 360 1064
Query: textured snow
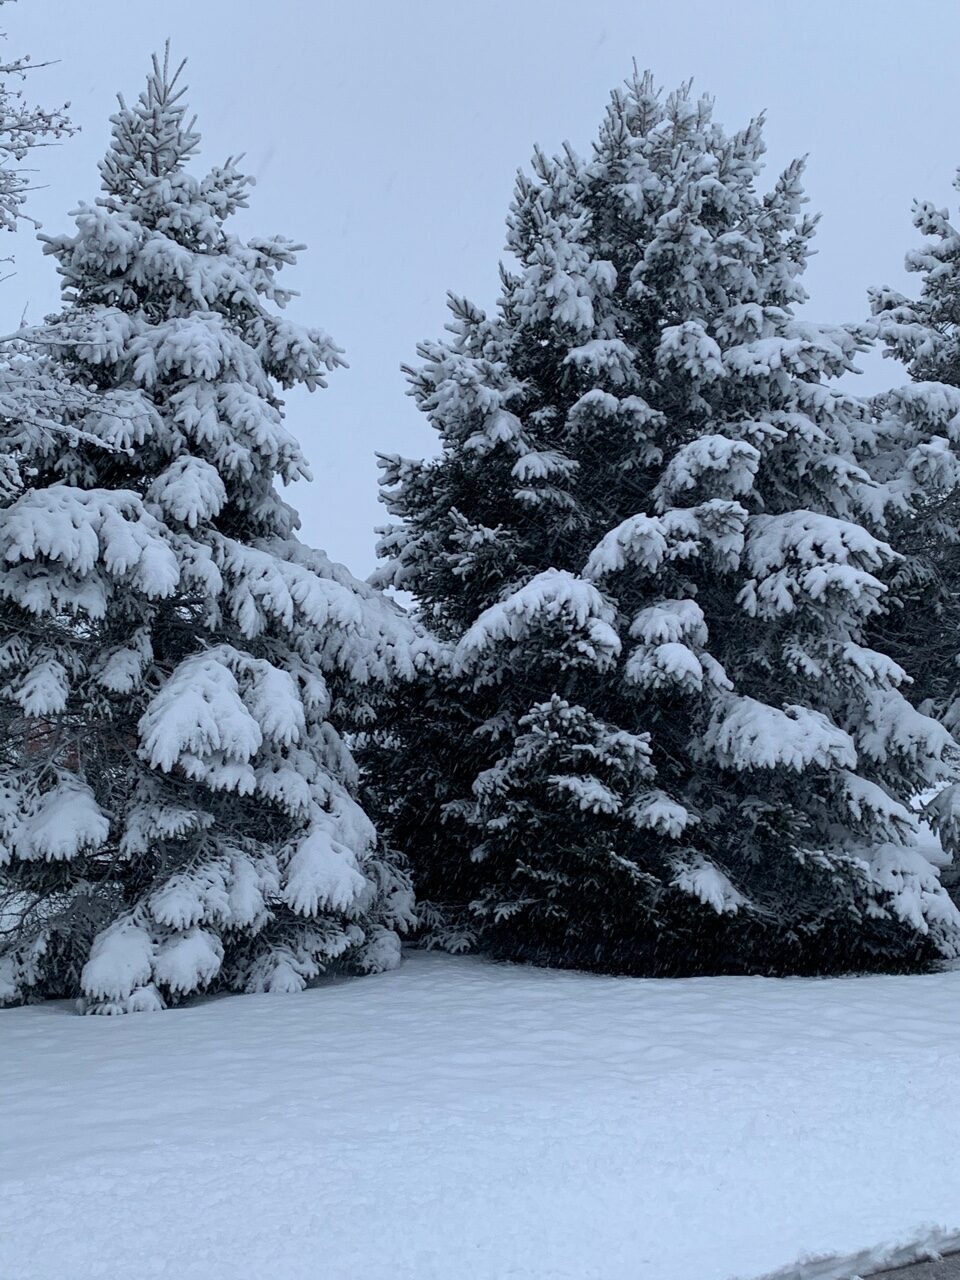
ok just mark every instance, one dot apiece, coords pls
pixel 198 712
pixel 669 621
pixel 322 872
pixel 650 541
pixel 548 598
pixel 461 1119
pixel 729 465
pixel 701 879
pixel 753 735
pixel 60 823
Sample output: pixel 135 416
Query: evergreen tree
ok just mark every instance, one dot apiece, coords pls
pixel 916 464
pixel 177 807
pixel 658 741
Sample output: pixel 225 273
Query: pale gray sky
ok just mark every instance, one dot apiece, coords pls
pixel 386 135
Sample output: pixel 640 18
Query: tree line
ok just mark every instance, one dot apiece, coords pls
pixel 678 686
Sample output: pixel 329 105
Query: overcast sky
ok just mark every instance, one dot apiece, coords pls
pixel 385 135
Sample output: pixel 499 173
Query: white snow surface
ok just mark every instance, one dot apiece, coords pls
pixel 462 1119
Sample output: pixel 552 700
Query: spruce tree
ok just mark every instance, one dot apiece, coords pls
pixel 659 742
pixel 916 463
pixel 177 806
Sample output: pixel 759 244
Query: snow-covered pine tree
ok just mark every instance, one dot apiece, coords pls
pixel 178 808
pixel 659 742
pixel 916 463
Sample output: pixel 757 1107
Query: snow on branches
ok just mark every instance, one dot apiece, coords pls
pixel 655 511
pixel 179 803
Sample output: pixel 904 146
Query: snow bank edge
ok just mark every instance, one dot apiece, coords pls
pixel 928 1244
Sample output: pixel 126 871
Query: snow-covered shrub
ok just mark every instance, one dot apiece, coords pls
pixel 177 806
pixel 660 741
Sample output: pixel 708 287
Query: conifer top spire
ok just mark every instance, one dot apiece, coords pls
pixel 152 138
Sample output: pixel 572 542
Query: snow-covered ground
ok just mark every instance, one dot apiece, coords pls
pixel 460 1120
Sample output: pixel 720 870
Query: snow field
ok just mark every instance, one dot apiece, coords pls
pixel 460 1119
